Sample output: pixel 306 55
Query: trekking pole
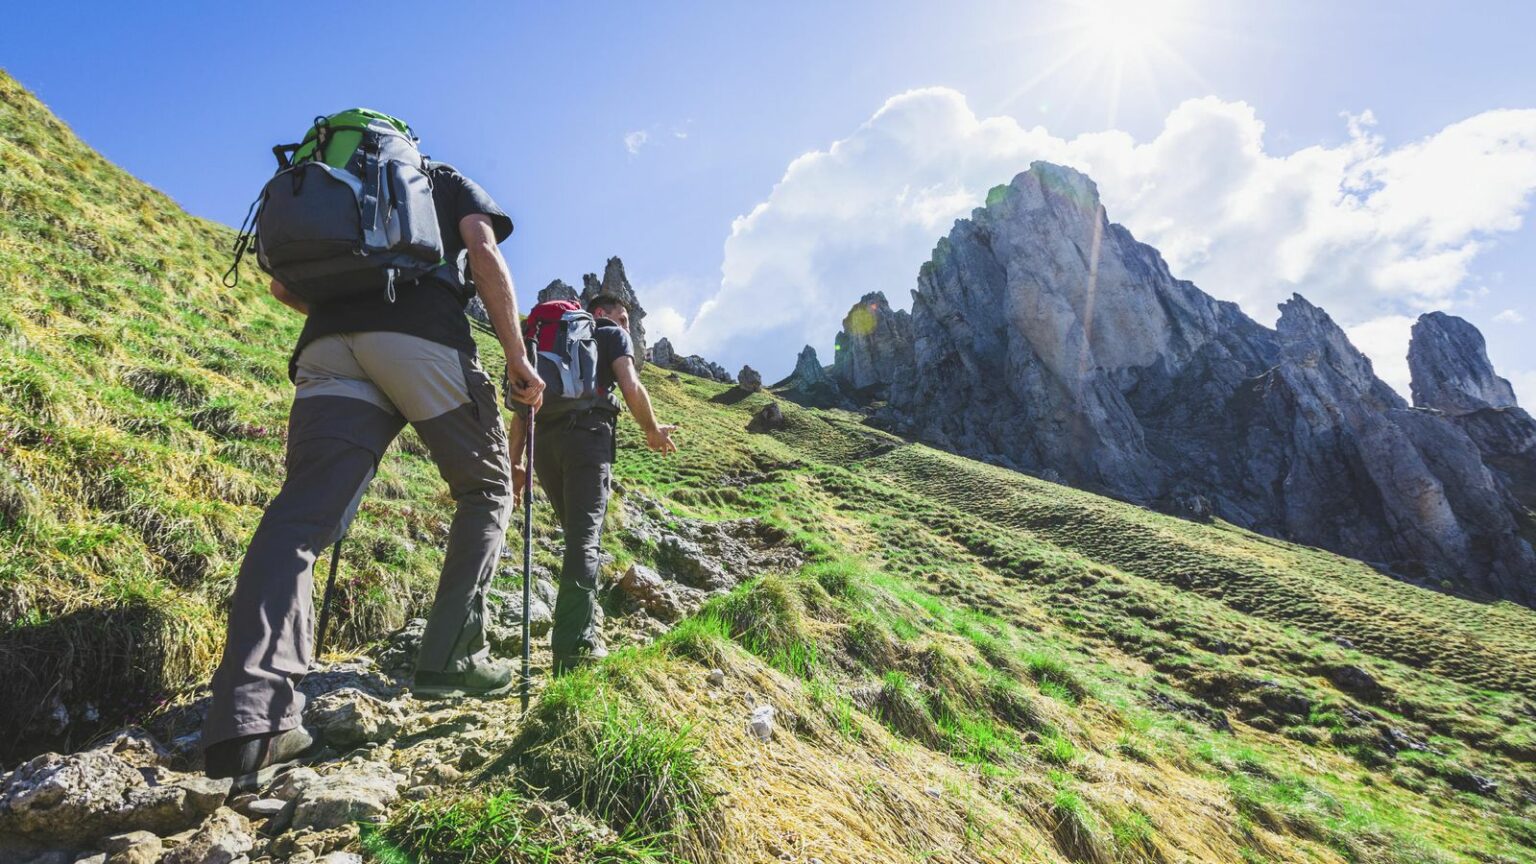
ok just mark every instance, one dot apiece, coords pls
pixel 527 559
pixel 325 603
pixel 527 553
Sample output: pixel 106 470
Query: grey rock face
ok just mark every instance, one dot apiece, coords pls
pixel 361 793
pixel 505 630
pixel 767 419
pixel 223 838
pixel 350 718
pixel 558 290
pixel 133 847
pixel 1451 372
pixel 82 796
pixel 665 356
pixel 1046 338
pixel 749 379
pixel 662 354
pixel 873 344
pixel 810 384
pixel 616 283
pixel 647 588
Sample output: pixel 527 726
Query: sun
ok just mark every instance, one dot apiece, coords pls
pixel 1107 48
pixel 1118 28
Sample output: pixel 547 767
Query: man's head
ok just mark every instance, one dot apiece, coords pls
pixel 610 307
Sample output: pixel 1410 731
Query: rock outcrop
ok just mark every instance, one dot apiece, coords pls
pixel 1451 372
pixel 558 290
pixel 871 346
pixel 749 379
pixel 1452 375
pixel 665 356
pixel 810 383
pixel 1045 338
pixel 616 284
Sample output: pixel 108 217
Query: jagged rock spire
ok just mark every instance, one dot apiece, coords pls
pixel 558 290
pixel 1451 371
pixel 616 283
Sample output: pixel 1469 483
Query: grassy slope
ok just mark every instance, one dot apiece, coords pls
pixel 142 414
pixel 1038 657
pixel 977 666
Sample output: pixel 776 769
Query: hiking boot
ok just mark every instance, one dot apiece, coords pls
pixel 253 760
pixel 491 678
pixel 583 657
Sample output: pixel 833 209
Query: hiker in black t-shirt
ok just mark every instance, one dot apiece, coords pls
pixel 363 368
pixel 573 458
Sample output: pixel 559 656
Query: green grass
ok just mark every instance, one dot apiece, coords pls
pixel 589 744
pixel 494 829
pixel 1056 662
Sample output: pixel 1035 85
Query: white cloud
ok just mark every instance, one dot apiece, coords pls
pixel 633 141
pixel 1509 316
pixel 1385 341
pixel 1525 387
pixel 664 322
pixel 1365 230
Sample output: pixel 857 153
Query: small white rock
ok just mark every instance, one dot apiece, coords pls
pixel 716 677
pixel 761 725
pixel 263 808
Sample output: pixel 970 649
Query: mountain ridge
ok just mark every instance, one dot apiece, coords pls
pixel 1044 337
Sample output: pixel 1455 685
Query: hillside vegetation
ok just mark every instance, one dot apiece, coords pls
pixel 973 665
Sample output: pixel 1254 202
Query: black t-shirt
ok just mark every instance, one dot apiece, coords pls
pixel 613 342
pixel 433 307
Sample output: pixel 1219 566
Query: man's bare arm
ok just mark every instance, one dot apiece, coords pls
pixel 657 437
pixel 517 432
pixel 494 285
pixel 288 298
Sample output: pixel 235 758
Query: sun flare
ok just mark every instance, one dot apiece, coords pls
pixel 1123 27
pixel 1110 50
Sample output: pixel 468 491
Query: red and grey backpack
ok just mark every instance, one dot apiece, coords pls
pixel 564 338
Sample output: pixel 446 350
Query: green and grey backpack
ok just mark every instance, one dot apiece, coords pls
pixel 349 212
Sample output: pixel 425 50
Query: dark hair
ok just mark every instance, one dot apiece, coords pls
pixel 606 301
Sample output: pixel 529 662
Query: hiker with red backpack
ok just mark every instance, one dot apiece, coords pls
pixel 583 356
pixel 372 243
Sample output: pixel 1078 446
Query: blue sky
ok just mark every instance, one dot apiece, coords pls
pixel 651 130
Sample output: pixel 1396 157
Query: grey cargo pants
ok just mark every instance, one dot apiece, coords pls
pixel 573 458
pixel 355 392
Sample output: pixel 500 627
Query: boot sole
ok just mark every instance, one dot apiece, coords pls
pixel 261 778
pixel 441 691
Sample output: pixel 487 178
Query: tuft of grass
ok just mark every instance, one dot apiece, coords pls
pixel 768 617
pixel 899 706
pixel 637 771
pixel 1055 678
pixel 1075 828
pixel 1056 749
pixel 465 827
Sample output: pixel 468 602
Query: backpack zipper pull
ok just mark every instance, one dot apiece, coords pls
pixel 389 283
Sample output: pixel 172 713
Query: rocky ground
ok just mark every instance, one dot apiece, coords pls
pixel 139 795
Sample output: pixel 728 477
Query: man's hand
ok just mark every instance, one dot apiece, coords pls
pixel 659 438
pixel 519 481
pixel 523 382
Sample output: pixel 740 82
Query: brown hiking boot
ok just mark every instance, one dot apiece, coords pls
pixel 491 678
pixel 253 760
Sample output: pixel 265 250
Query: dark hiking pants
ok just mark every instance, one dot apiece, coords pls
pixel 573 457
pixel 354 394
